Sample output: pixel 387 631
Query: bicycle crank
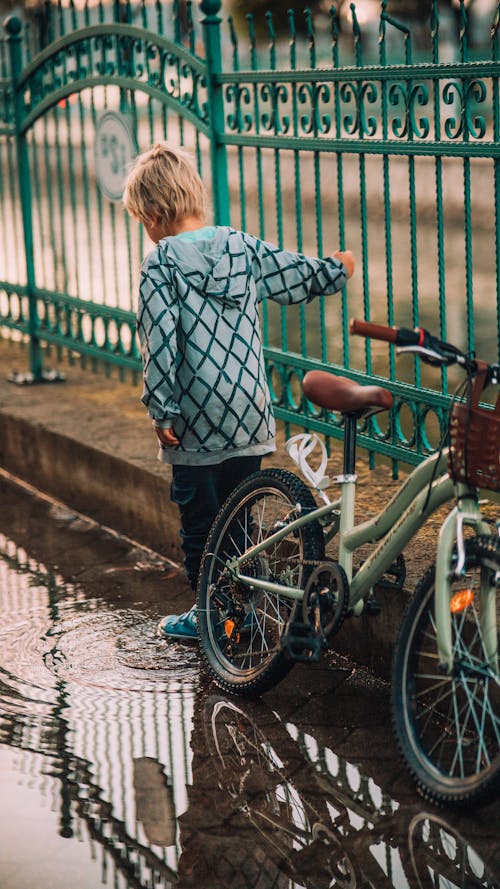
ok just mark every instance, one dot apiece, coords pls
pixel 326 600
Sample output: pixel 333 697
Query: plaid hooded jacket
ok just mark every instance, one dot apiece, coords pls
pixel 200 335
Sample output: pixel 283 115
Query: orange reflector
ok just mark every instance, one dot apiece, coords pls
pixel 229 627
pixel 461 600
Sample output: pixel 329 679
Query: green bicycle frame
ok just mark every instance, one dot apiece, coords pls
pixel 426 489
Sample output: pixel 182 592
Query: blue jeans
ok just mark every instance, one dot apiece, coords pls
pixel 199 492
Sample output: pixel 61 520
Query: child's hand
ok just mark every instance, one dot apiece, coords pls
pixel 167 437
pixel 347 258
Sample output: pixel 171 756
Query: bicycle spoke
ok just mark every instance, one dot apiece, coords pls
pixel 459 735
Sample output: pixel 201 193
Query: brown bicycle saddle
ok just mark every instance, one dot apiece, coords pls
pixel 343 395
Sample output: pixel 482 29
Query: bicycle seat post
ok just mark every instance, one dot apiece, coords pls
pixel 347 482
pixel 350 438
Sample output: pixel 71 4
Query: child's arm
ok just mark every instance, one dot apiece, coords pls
pixel 157 318
pixel 288 277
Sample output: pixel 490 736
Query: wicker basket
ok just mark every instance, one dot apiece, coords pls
pixel 474 456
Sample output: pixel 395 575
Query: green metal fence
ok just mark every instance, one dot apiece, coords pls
pixel 330 135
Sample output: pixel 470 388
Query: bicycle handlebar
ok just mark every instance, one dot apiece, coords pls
pixel 430 349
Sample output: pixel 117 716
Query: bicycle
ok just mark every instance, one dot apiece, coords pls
pixel 268 597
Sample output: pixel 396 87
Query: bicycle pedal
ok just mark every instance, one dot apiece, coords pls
pixel 395 576
pixel 300 643
pixel 372 606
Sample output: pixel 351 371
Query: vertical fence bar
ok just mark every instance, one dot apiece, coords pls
pixel 413 215
pixel 13 27
pixel 467 193
pixel 315 100
pixel 434 26
pixel 258 159
pixel 239 123
pixel 362 190
pixel 496 162
pixel 8 191
pixel 296 167
pixel 61 202
pixel 177 39
pixel 38 201
pixel 387 190
pixel 387 202
pixel 340 180
pixel 3 205
pixel 218 155
pixel 273 99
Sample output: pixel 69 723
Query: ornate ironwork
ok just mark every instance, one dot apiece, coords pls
pixel 121 55
pixel 315 142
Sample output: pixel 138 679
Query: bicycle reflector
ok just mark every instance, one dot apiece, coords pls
pixel 460 601
pixel 229 629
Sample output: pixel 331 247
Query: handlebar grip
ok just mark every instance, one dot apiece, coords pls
pixel 401 336
pixel 373 331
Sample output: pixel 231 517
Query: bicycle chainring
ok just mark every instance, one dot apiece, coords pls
pixel 326 599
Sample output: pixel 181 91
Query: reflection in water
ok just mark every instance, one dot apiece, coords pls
pixel 308 818
pixel 159 792
pixel 106 745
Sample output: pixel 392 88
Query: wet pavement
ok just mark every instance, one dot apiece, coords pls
pixel 121 766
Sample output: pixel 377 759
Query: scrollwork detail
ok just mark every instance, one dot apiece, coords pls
pixel 419 95
pixel 411 96
pixel 315 94
pixel 274 96
pixel 451 93
pixel 475 94
pixel 358 122
pixel 466 95
pixel 348 94
pixel 368 93
pixel 236 120
pixel 399 125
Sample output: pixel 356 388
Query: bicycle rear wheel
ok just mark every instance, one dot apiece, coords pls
pixel 448 726
pixel 240 628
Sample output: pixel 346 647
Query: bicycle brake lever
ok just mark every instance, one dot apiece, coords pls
pixel 427 355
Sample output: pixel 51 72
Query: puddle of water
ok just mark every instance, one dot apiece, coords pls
pixel 83 712
pixel 119 768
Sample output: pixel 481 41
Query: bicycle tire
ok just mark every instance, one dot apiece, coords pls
pixel 440 856
pixel 250 661
pixel 448 726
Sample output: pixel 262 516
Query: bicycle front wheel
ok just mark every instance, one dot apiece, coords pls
pixel 448 726
pixel 240 627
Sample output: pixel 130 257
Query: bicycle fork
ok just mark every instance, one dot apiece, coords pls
pixel 466 513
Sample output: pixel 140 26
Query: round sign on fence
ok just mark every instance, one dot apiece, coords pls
pixel 115 149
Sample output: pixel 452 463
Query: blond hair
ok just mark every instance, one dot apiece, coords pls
pixel 164 186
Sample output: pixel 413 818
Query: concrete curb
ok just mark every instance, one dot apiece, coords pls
pixel 111 490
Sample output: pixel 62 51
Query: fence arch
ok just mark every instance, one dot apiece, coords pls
pixel 116 55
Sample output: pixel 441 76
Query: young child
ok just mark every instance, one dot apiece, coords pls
pixel 205 382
